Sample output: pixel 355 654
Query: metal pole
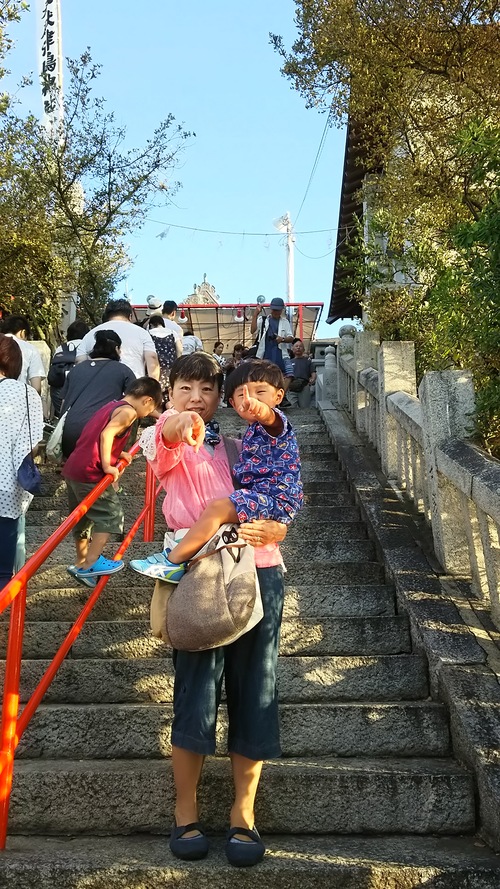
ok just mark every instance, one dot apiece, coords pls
pixel 290 270
pixel 10 707
pixel 150 502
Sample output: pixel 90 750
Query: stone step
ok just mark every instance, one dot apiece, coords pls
pixel 306 529
pixel 397 677
pixel 305 559
pixel 43 522
pixel 109 731
pixel 328 514
pixel 392 796
pixel 299 636
pixel 54 575
pixel 124 603
pixel 321 498
pixel 325 533
pixel 143 861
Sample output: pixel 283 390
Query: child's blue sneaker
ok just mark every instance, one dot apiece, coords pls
pixel 158 566
pixel 88 581
pixel 100 567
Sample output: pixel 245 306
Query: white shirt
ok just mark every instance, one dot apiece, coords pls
pixel 175 328
pixel 32 361
pixel 136 343
pixel 73 344
pixel 15 442
pixel 191 344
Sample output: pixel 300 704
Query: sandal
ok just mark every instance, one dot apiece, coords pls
pixel 243 854
pixel 188 848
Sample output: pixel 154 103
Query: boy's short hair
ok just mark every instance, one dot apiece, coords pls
pixel 146 386
pixel 197 366
pixel 169 306
pixel 255 371
pixel 117 307
pixel 77 330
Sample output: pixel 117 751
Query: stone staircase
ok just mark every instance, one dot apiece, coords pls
pixel 367 794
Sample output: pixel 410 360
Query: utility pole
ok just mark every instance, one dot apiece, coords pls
pixel 284 224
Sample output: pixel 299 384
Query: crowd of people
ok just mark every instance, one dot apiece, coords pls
pixel 106 380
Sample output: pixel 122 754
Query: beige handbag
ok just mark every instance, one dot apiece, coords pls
pixel 216 601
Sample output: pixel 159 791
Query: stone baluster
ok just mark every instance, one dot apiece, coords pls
pixel 447 399
pixel 330 372
pixel 366 346
pixel 345 347
pixel 396 373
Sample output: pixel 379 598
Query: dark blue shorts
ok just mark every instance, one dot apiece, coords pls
pixel 249 666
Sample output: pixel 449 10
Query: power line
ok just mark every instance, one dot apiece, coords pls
pixel 315 165
pixel 314 257
pixel 214 231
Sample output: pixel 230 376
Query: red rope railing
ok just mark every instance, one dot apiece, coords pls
pixel 13 725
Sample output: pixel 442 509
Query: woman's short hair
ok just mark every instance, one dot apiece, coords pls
pixel 197 366
pixel 105 345
pixel 255 371
pixel 217 344
pixel 155 321
pixel 11 357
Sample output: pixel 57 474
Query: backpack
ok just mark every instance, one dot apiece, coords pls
pixel 167 353
pixel 61 364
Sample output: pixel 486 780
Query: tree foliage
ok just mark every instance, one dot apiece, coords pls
pixel 419 82
pixel 70 195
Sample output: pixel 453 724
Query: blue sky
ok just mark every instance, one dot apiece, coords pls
pixel 211 65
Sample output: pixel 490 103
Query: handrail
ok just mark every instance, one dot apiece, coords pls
pixel 12 725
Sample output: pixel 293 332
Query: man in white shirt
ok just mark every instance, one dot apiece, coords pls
pixel 138 349
pixel 33 371
pixel 169 313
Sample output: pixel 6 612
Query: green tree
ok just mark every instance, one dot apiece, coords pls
pixel 70 196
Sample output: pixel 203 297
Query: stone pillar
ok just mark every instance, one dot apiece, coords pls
pixel 366 346
pixel 396 373
pixel 447 399
pixel 345 347
pixel 330 375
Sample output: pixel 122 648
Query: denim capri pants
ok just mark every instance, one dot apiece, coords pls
pixel 249 666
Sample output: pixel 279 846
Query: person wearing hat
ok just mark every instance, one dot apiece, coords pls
pixel 274 336
pixel 154 306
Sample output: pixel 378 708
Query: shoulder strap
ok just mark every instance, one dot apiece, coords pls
pixel 233 455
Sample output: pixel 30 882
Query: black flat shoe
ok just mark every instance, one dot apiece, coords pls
pixel 242 854
pixel 188 848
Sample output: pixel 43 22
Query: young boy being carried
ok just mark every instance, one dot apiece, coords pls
pixel 100 446
pixel 191 480
pixel 268 469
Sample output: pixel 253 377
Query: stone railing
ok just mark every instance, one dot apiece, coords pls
pixel 422 441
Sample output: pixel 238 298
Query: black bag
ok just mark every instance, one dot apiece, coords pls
pixel 28 474
pixel 61 364
pixel 298 384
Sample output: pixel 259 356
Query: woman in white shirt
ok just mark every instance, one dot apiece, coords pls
pixel 16 399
